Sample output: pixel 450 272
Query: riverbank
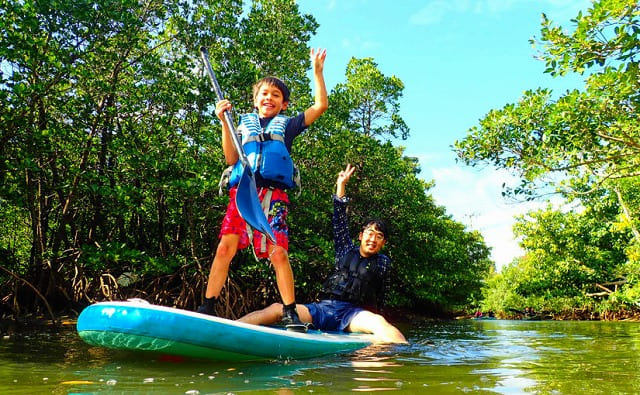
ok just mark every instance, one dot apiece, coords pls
pixel 579 315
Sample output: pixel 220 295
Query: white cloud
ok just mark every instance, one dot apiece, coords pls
pixel 474 198
pixel 437 10
pixel 432 13
pixel 358 44
pixel 427 157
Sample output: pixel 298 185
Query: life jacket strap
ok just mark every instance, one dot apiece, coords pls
pixel 224 180
pixel 262 137
pixel 266 203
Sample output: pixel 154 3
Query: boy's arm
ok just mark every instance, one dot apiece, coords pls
pixel 230 154
pixel 321 101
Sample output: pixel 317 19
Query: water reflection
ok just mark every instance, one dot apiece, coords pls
pixel 540 357
pixel 499 357
pixel 375 368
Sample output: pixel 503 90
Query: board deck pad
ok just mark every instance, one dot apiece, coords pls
pixel 137 325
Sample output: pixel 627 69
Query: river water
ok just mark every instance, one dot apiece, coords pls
pixel 452 357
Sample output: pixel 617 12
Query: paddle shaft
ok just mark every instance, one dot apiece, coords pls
pixel 216 87
pixel 247 200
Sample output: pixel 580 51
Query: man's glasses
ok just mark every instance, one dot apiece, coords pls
pixel 377 235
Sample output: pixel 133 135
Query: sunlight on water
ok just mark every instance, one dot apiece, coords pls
pixel 501 357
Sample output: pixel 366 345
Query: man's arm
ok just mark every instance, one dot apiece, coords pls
pixel 341 239
pixel 321 101
pixel 385 270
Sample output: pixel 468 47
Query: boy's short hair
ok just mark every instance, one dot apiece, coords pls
pixel 378 224
pixel 275 82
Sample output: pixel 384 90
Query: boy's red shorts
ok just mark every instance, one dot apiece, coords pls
pixel 278 209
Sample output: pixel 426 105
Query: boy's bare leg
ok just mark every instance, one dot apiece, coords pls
pixel 284 274
pixel 225 252
pixel 284 278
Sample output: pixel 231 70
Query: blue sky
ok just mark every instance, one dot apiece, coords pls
pixel 458 60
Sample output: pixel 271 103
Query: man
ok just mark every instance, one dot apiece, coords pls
pixel 360 279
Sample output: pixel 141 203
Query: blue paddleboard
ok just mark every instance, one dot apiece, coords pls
pixel 137 325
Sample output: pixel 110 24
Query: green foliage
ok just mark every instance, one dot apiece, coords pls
pixel 572 249
pixel 509 291
pixel 369 101
pixel 584 145
pixel 583 138
pixel 14 237
pixel 110 154
pixel 607 33
pixel 567 253
pixel 436 260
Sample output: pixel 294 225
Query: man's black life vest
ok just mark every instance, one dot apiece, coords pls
pixel 356 279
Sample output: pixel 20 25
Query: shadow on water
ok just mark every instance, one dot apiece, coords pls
pixel 504 357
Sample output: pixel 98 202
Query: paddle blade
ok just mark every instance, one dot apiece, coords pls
pixel 249 205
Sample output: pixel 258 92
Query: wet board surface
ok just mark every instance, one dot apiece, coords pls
pixel 140 326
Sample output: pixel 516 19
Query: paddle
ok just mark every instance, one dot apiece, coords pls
pixel 247 200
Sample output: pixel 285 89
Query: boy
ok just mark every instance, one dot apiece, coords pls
pixel 360 278
pixel 267 138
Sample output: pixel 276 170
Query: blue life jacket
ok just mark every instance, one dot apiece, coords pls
pixel 265 149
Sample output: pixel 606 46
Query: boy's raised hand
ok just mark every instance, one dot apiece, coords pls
pixel 321 102
pixel 317 58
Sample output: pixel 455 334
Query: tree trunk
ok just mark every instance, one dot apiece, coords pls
pixel 627 213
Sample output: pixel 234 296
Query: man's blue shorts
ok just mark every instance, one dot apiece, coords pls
pixel 332 315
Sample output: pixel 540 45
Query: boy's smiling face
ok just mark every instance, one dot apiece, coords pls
pixel 269 101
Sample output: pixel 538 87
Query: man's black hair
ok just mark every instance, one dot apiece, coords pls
pixel 378 224
pixel 275 82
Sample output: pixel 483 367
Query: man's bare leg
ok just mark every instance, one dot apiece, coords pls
pixel 383 332
pixel 272 314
